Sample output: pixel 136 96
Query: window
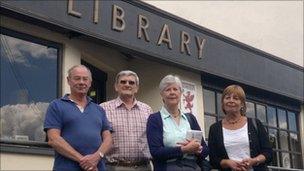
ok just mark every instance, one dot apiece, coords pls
pixel 261 113
pixel 29 81
pixel 209 102
pixel 211 108
pixel 281 124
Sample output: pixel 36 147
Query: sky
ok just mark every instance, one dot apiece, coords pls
pixel 275 27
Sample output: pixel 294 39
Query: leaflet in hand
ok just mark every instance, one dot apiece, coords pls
pixel 194 134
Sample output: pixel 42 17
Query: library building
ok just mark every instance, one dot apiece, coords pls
pixel 41 40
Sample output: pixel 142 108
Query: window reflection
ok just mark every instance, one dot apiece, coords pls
pixel 261 113
pixel 283 140
pixel 209 120
pixel 28 84
pixel 292 121
pixel 297 161
pixel 271 116
pixel 219 104
pixel 275 159
pixel 285 160
pixel 273 138
pixel 295 142
pixel 282 119
pixel 209 101
pixel 250 110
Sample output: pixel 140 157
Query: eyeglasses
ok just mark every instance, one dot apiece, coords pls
pixel 125 82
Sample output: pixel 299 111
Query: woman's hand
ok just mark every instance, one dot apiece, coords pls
pixel 191 146
pixel 233 165
pixel 249 162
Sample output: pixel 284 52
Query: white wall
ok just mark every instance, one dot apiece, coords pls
pixel 10 161
pixel 272 26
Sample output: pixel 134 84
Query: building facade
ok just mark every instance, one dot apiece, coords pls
pixel 41 40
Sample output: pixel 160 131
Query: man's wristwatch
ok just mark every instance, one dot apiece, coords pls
pixel 101 155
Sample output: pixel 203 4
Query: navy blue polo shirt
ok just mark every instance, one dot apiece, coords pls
pixel 82 130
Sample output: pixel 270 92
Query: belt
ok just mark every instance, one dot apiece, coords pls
pixel 128 163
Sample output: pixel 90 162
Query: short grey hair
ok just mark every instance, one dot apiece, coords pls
pixel 79 66
pixel 168 80
pixel 127 73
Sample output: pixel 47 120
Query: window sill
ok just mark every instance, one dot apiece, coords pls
pixel 26 148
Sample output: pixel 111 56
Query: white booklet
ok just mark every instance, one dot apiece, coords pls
pixel 194 134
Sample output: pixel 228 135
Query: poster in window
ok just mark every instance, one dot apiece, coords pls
pixel 188 99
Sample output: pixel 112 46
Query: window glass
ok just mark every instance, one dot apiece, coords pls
pixel 261 113
pixel 275 159
pixel 250 110
pixel 271 116
pixel 297 161
pixel 209 101
pixel 219 104
pixel 28 84
pixel 273 138
pixel 282 119
pixel 292 121
pixel 295 142
pixel 285 160
pixel 283 140
pixel 209 120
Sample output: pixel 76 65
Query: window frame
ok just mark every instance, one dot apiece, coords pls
pixel 33 147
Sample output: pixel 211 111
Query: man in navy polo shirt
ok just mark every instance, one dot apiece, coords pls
pixel 76 127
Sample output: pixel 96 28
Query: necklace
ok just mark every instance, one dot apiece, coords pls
pixel 176 116
pixel 234 122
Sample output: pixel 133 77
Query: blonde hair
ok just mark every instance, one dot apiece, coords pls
pixel 237 90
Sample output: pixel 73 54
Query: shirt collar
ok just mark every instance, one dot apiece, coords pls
pixel 66 98
pixel 165 114
pixel 118 102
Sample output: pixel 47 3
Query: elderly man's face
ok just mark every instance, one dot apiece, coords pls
pixel 79 81
pixel 126 86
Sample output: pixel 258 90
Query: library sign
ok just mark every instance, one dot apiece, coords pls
pixel 128 24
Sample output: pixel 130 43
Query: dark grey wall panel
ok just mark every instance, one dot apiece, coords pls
pixel 221 56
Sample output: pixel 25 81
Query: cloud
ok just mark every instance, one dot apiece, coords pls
pixel 19 49
pixel 23 120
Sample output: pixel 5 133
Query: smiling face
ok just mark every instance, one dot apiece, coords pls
pixel 79 80
pixel 232 103
pixel 126 86
pixel 233 100
pixel 171 95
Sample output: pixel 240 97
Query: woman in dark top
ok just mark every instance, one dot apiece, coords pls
pixel 238 142
pixel 167 129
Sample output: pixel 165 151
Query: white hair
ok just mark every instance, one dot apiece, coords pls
pixel 127 73
pixel 168 80
pixel 79 66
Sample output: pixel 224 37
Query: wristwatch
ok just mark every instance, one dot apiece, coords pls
pixel 101 155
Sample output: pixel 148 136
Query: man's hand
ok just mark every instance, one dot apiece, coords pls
pixel 89 162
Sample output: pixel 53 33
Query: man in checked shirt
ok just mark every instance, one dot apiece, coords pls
pixel 128 118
